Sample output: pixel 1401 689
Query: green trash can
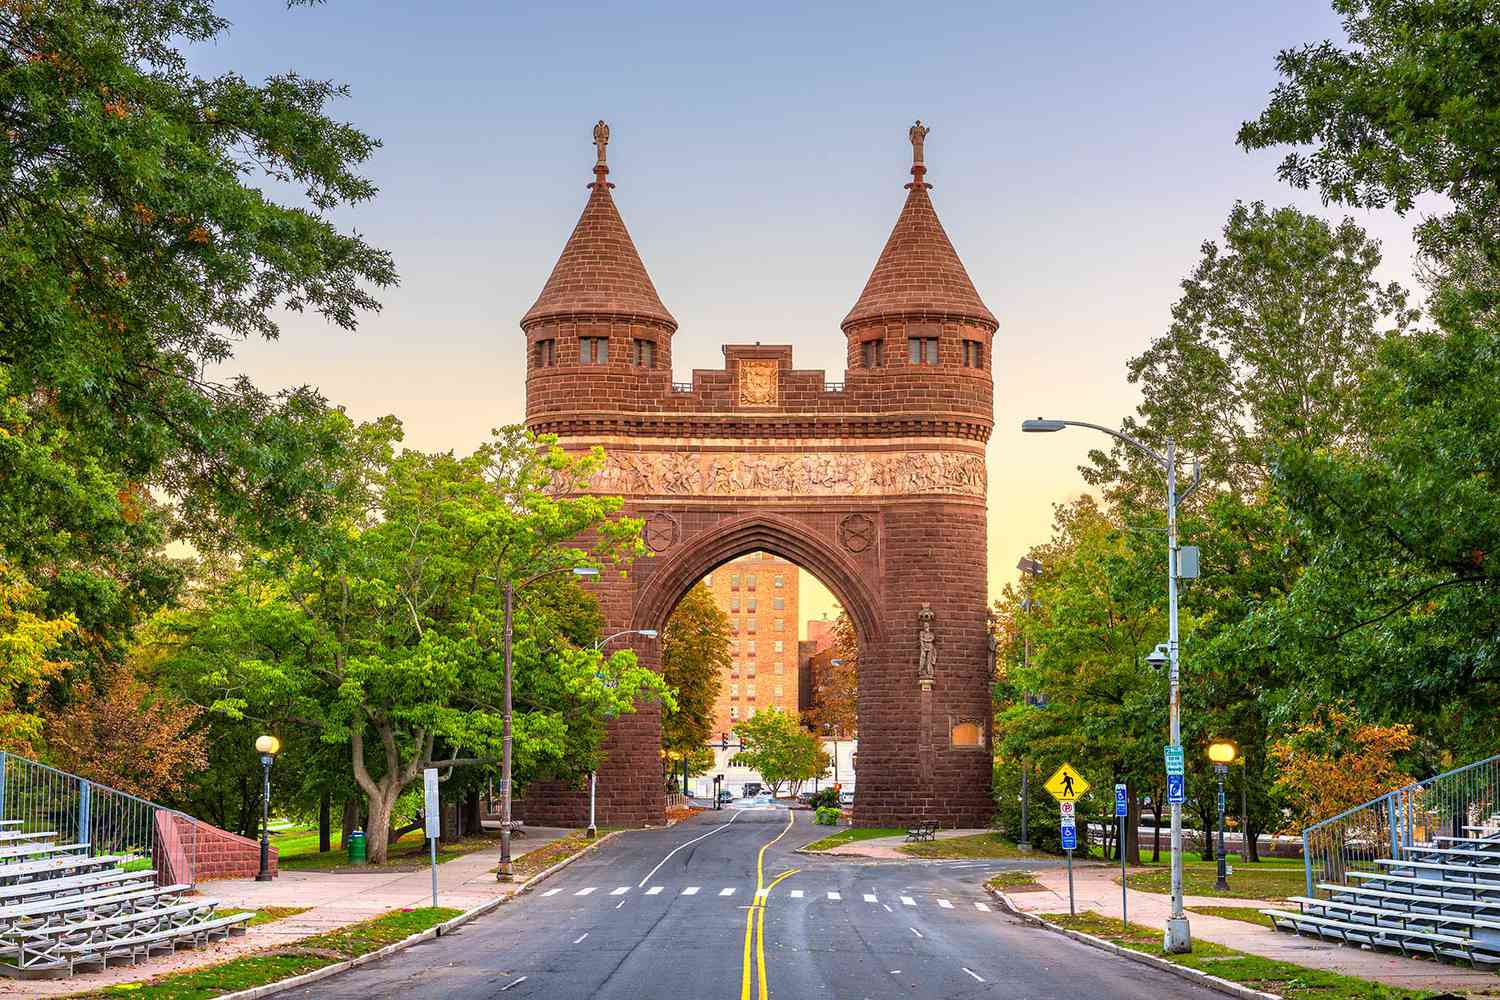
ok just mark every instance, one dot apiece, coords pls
pixel 357 854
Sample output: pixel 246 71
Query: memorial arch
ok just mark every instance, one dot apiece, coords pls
pixel 876 485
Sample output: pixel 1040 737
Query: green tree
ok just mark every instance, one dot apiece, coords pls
pixel 694 657
pixel 386 635
pixel 139 242
pixel 835 694
pixel 779 750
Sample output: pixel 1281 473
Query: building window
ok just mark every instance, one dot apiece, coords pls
pixel 751 713
pixel 778 625
pixel 750 625
pixel 734 711
pixel 922 350
pixel 749 670
pixel 778 604
pixel 966 734
pixel 546 353
pixel 734 645
pixel 779 667
pixel 872 353
pixel 778 646
pixel 750 581
pixel 778 691
pixel 643 353
pixel 734 581
pixel 734 625
pixel 750 690
pixel 750 605
pixel 734 604
pixel 780 581
pixel 734 690
pixel 973 354
pixel 593 350
pixel 749 647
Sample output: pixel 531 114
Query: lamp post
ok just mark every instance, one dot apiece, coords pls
pixel 1176 939
pixel 834 730
pixel 1033 569
pixel 1222 753
pixel 593 830
pixel 507 870
pixel 267 746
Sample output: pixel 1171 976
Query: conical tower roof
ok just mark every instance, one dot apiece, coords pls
pixel 919 273
pixel 599 273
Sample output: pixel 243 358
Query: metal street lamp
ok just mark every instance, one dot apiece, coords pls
pixel 267 746
pixel 507 870
pixel 1222 753
pixel 1176 938
pixel 593 830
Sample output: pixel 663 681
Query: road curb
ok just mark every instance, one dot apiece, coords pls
pixel 270 989
pixel 1141 958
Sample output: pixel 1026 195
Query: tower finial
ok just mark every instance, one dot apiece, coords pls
pixel 918 134
pixel 601 139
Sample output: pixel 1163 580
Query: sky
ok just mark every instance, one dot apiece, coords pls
pixel 1080 154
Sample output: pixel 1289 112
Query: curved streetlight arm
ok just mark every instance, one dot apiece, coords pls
pixel 1121 435
pixel 647 632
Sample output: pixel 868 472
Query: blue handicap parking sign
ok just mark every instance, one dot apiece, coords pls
pixel 1070 838
pixel 1176 789
pixel 1121 801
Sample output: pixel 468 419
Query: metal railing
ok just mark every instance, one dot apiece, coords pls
pixel 36 798
pixel 1401 820
pixel 682 387
pixel 833 387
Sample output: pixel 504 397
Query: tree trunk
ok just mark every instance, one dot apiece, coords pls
pixel 325 822
pixel 1156 829
pixel 378 825
pixel 470 823
pixel 1133 830
pixel 351 818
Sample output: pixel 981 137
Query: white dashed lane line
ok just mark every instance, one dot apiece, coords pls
pixel 915 931
pixel 870 898
pixel 971 972
pixel 551 892
pixel 691 890
pixel 908 901
pixel 984 907
pixel 728 890
pixel 584 892
pixel 579 938
pixel 654 890
pixel 833 895
pixel 796 893
pixel 945 904
pixel 622 890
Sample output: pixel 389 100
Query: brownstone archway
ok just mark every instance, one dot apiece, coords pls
pixel 876 485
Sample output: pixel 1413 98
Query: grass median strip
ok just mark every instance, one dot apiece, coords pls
pixel 1294 982
pixel 979 845
pixel 1249 881
pixel 303 955
pixel 266 914
pixel 851 834
pixel 1015 881
pixel 1249 914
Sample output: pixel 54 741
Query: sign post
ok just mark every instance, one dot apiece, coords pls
pixel 1067 786
pixel 1122 810
pixel 433 816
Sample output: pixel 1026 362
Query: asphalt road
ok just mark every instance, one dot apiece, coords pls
pixel 673 914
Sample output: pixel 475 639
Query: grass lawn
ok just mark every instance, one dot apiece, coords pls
pixel 1258 881
pixel 266 914
pixel 1294 982
pixel 549 854
pixel 1015 881
pixel 1249 914
pixel 980 845
pixel 294 959
pixel 298 851
pixel 850 834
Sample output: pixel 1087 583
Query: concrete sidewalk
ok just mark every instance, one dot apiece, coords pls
pixel 335 899
pixel 1096 889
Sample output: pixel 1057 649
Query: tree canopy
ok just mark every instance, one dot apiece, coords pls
pixel 694 657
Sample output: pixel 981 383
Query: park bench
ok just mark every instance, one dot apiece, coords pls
pixel 1407 941
pixel 9 836
pixel 1404 919
pixel 1442 870
pixel 1456 854
pixel 81 907
pixel 925 830
pixel 1410 900
pixel 21 851
pixel 62 887
pixel 48 867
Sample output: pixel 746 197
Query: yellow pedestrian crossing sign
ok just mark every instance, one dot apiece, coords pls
pixel 1066 784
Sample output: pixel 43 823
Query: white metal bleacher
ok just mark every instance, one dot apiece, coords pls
pixel 62 909
pixel 1437 901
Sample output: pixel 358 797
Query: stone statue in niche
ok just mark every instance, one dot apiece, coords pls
pixel 926 648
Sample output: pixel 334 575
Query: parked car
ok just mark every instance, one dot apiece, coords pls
pixel 726 796
pixel 805 798
pixel 752 789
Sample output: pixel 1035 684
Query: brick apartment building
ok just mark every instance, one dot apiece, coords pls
pixel 759 594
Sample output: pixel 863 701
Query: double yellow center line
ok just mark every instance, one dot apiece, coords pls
pixel 755 918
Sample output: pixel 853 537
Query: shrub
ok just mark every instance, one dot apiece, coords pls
pixel 825 797
pixel 826 816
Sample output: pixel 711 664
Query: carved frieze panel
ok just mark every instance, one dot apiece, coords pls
pixel 809 474
pixel 758 381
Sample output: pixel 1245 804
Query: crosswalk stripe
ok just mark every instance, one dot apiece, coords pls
pixel 551 892
pixel 796 893
pixel 908 901
pixel 622 890
pixel 727 891
pixel 762 893
pixel 945 904
pixel 584 892
pixel 691 890
pixel 653 890
pixel 981 906
pixel 870 898
pixel 834 895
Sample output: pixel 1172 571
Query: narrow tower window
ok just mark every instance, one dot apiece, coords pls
pixel 593 350
pixel 643 353
pixel 546 353
pixel 973 354
pixel 872 353
pixel 922 350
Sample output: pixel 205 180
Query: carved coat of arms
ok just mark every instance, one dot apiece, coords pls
pixel 758 382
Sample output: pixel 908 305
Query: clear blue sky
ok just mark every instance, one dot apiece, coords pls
pixel 1080 153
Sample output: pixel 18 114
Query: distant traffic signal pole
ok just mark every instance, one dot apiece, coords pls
pixel 1176 938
